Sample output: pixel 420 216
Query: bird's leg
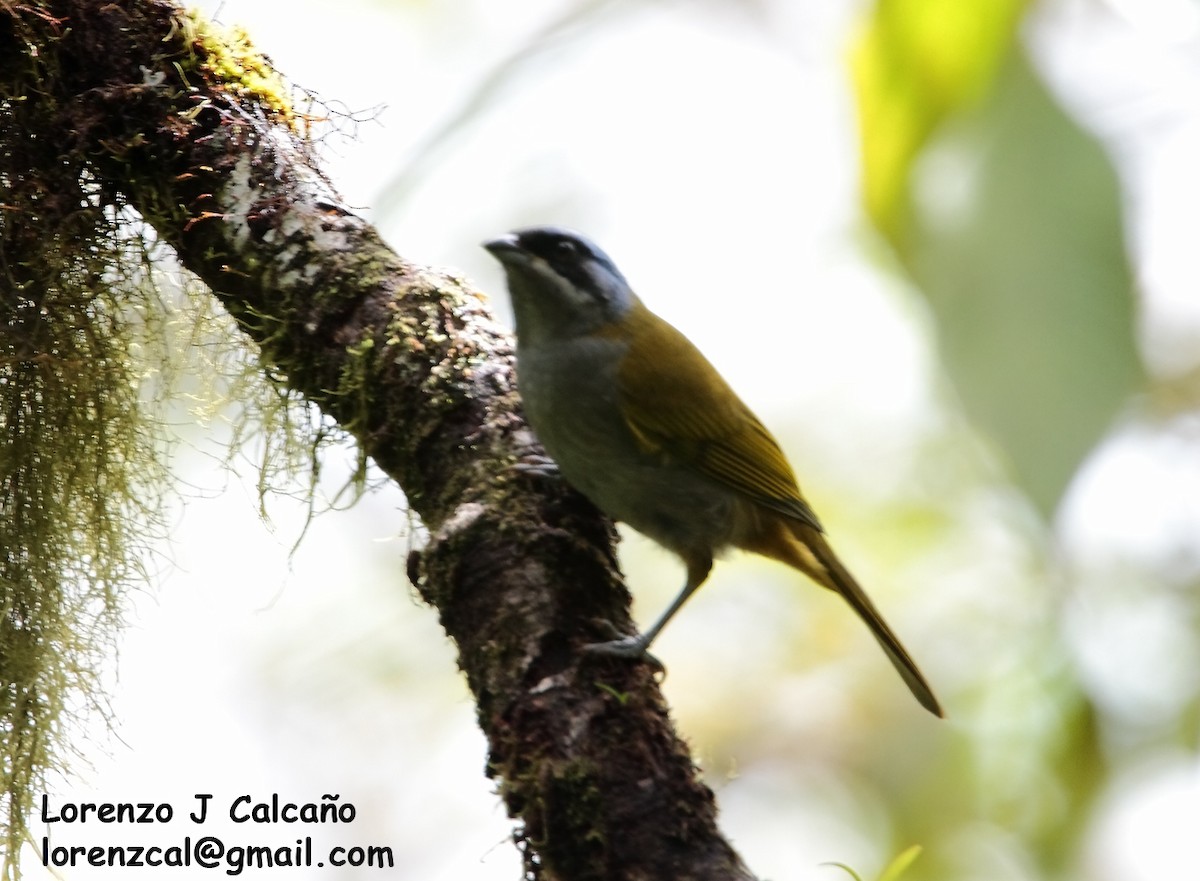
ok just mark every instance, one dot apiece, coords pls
pixel 636 646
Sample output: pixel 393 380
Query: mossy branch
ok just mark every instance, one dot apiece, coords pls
pixel 151 110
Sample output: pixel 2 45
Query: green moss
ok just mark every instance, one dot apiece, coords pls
pixel 229 55
pixel 419 327
pixel 572 802
pixel 355 381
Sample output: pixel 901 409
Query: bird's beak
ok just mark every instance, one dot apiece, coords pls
pixel 502 246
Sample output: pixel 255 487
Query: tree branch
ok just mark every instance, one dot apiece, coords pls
pixel 411 363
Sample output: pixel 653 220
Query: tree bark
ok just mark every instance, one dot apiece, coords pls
pixel 410 362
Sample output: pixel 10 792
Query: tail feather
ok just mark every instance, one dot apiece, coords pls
pixel 810 553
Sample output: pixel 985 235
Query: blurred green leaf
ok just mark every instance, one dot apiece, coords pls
pixel 853 874
pixel 894 870
pixel 900 864
pixel 1018 244
pixel 916 62
pixel 1008 218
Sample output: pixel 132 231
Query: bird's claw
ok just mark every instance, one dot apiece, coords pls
pixel 632 647
pixel 536 465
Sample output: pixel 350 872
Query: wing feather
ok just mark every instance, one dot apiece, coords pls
pixel 691 416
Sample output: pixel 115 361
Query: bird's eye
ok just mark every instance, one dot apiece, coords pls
pixel 566 248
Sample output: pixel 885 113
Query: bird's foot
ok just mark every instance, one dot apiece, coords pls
pixel 632 647
pixel 537 465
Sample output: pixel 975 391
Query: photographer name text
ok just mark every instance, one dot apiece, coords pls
pixel 243 810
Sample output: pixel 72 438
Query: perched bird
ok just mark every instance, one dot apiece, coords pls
pixel 643 425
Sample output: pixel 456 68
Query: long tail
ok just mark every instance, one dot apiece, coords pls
pixel 811 554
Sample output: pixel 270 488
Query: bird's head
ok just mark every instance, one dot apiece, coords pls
pixel 561 284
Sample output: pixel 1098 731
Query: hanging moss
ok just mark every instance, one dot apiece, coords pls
pixel 79 469
pixel 87 348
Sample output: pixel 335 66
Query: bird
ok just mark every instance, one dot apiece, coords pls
pixel 635 418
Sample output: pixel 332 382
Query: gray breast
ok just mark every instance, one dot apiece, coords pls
pixel 570 399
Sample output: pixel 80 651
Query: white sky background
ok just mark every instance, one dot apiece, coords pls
pixel 713 155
